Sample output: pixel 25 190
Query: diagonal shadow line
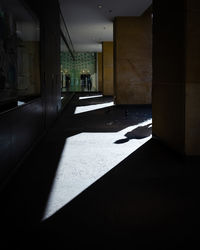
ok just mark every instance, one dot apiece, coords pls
pixel 23 207
pixel 131 199
pixel 44 160
pixel 101 181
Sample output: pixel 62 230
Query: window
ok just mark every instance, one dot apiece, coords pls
pixel 19 54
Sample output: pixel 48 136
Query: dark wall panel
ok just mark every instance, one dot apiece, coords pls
pixel 22 126
pixel 168 92
pixel 30 124
pixel 50 60
pixel 19 128
pixel 5 144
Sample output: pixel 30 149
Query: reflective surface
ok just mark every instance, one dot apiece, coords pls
pixel 19 54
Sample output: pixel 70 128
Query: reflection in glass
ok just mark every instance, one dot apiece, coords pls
pixel 65 73
pixel 19 54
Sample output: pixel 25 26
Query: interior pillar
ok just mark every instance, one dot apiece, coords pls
pixel 100 83
pixel 192 78
pixel 133 59
pixel 176 77
pixel 107 61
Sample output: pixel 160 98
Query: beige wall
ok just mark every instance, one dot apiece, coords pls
pixel 107 61
pixel 176 75
pixel 133 59
pixel 100 83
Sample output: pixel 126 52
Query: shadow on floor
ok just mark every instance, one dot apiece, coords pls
pixel 150 198
pixel 138 133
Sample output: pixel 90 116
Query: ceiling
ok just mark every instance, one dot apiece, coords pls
pixel 89 25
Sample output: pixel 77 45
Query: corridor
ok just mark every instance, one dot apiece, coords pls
pixel 99 179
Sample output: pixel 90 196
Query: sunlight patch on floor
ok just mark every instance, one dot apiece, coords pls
pixel 89 97
pixel 85 158
pixel 88 108
pixel 19 103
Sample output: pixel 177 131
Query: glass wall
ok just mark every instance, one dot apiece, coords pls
pixel 19 54
pixel 65 73
pixel 79 74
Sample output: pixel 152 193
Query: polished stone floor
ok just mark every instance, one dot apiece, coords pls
pixel 98 179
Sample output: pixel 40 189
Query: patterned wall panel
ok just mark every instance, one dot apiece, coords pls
pixel 84 64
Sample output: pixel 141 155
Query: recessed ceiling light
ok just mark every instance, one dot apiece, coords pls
pixel 99 6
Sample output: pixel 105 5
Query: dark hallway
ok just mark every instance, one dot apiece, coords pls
pixel 150 197
pixel 99 124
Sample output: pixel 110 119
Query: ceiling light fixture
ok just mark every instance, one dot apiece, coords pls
pixel 99 6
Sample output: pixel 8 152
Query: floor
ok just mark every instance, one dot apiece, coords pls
pixel 98 179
